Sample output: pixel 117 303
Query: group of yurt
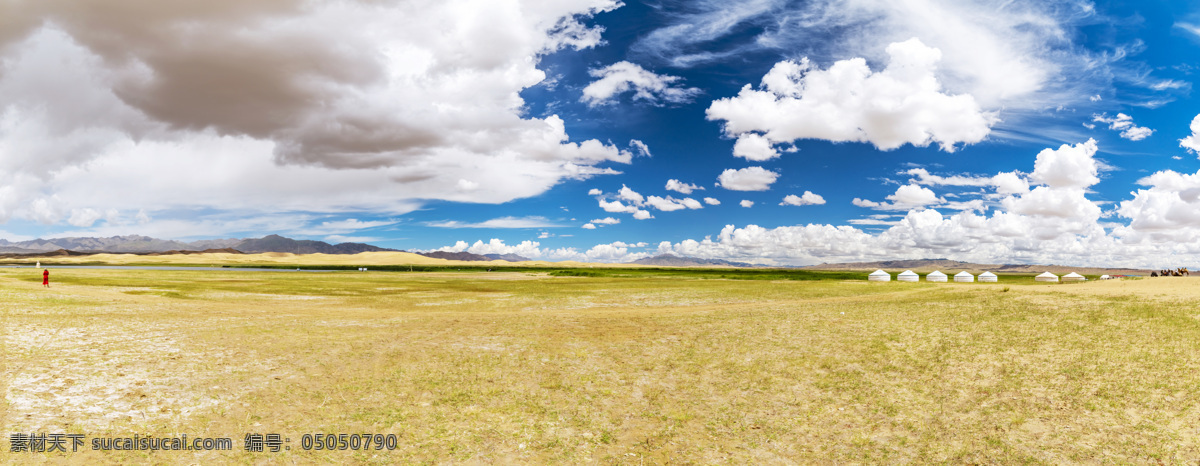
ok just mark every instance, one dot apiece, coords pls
pixel 964 277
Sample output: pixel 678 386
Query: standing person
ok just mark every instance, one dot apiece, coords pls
pixel 46 278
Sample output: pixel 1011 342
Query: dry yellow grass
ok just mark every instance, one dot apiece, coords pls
pixel 518 368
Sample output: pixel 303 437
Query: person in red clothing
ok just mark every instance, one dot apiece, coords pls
pixel 46 278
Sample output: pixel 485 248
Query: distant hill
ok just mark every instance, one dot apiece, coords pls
pixel 671 260
pixel 137 244
pixel 467 256
pixel 506 257
pixel 128 243
pixel 276 243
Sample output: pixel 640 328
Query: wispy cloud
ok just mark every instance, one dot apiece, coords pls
pixel 502 222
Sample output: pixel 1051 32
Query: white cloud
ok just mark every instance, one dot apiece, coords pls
pixel 681 187
pixel 588 226
pixel 711 201
pixel 903 104
pixel 630 195
pixel 913 195
pixel 747 179
pixel 1067 167
pixel 1124 124
pixel 640 148
pixel 1009 183
pixel 606 221
pixel 387 106
pixel 1167 211
pixel 1054 223
pixel 1004 182
pixel 746 203
pixel 808 198
pixel 617 206
pixel 754 147
pixel 544 235
pixel 335 239
pixel 1192 28
pixel 1192 143
pixel 1167 84
pixel 906 197
pixel 595 192
pixel 502 222
pixel 623 76
pixel 642 215
pixel 666 204
pixel 690 203
pixel 341 227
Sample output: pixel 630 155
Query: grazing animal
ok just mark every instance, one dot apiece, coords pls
pixel 1153 274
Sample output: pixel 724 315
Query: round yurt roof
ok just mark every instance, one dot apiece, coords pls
pixel 1072 275
pixel 964 273
pixel 987 274
pixel 936 273
pixel 1047 275
pixel 1104 277
pixel 878 273
pixel 908 273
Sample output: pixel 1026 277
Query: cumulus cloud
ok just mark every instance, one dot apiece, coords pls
pixel 595 192
pixel 621 77
pixel 588 226
pixel 617 206
pixel 1052 223
pixel 606 221
pixel 902 104
pixel 1124 124
pixel 746 203
pixel 283 105
pixel 1068 166
pixel 630 195
pixel 754 147
pixel 668 204
pixel 681 187
pixel 747 179
pixel 1004 182
pixel 906 197
pixel 1192 143
pixel 808 198
pixel 711 201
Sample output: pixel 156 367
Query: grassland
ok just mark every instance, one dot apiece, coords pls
pixel 526 367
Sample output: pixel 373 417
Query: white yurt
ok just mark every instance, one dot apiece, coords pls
pixel 1046 277
pixel 879 276
pixel 936 276
pixel 1105 277
pixel 1073 277
pixel 964 277
pixel 908 276
pixel 987 277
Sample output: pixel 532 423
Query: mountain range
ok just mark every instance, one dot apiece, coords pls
pixel 144 244
pixel 467 256
pixel 671 260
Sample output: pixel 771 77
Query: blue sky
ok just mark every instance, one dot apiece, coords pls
pixel 1047 132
